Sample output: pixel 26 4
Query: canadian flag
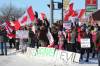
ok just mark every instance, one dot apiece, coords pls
pixel 69 13
pixel 26 19
pixel 9 30
pixel 72 13
pixel 81 13
pixel 23 19
pixel 51 39
pixel 8 26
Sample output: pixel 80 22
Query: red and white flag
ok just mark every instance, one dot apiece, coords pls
pixel 81 13
pixel 9 30
pixel 31 13
pixel 28 17
pixel 50 38
pixel 16 25
pixel 67 16
pixel 74 14
pixel 8 26
pixel 69 13
pixel 71 7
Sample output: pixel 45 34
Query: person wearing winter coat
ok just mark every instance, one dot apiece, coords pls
pixel 98 44
pixel 3 40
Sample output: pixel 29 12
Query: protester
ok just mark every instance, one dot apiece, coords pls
pixel 82 34
pixel 42 36
pixel 3 40
pixel 93 41
pixel 73 39
pixel 54 32
pixel 98 44
pixel 32 38
pixel 61 38
pixel 12 41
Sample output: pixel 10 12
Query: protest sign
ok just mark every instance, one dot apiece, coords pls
pixel 43 51
pixel 60 55
pixel 67 25
pixel 67 57
pixel 77 57
pixel 23 34
pixel 85 43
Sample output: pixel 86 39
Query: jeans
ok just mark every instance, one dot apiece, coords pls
pixel 17 45
pixel 98 58
pixel 3 48
pixel 87 52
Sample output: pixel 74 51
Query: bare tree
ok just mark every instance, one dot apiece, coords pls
pixel 9 11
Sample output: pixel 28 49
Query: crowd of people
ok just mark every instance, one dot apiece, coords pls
pixel 70 39
pixel 64 39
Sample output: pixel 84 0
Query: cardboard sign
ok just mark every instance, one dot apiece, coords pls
pixel 67 57
pixel 43 51
pixel 22 34
pixel 85 43
pixel 67 25
pixel 77 57
pixel 59 55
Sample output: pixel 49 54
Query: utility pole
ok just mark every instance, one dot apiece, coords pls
pixel 51 12
pixel 62 12
pixel 52 8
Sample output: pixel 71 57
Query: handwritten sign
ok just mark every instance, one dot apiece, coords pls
pixel 67 57
pixel 43 51
pixel 60 55
pixel 85 43
pixel 23 34
pixel 67 25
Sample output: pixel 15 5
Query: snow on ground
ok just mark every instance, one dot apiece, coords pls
pixel 17 59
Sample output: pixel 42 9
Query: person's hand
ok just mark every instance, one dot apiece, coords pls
pixel 51 45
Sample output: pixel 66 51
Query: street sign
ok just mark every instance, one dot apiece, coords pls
pixel 91 2
pixel 91 6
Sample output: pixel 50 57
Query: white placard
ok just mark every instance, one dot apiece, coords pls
pixel 22 34
pixel 67 57
pixel 85 43
pixel 67 25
